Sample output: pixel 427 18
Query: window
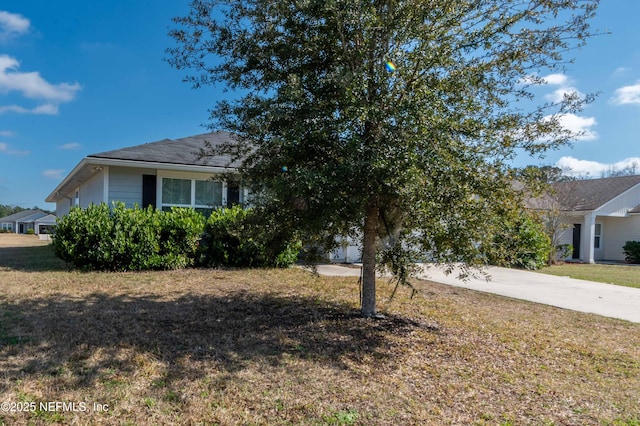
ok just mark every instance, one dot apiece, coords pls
pixel 7 226
pixel 597 236
pixel 208 193
pixel 176 192
pixel 202 195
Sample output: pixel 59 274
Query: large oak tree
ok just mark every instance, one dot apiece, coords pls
pixel 394 122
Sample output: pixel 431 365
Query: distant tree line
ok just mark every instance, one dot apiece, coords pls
pixel 551 174
pixel 7 210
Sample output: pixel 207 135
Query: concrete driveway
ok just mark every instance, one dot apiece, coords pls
pixel 568 293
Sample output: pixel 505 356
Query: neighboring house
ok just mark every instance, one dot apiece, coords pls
pixel 162 174
pixel 21 222
pixel 600 215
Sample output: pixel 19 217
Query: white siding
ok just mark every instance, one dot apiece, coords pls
pixel 620 205
pixel 125 184
pixel 616 231
pixel 63 206
pixel 92 191
pixel 565 236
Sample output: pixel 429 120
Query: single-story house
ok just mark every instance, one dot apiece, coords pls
pixel 162 174
pixel 600 215
pixel 21 222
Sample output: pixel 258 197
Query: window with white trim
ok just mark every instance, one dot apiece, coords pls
pixel 597 236
pixel 176 192
pixel 202 195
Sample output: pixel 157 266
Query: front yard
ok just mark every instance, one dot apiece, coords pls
pixel 285 347
pixel 628 276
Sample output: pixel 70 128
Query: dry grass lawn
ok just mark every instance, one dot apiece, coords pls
pixel 286 347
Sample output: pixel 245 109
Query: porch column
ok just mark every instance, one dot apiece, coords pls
pixel 589 234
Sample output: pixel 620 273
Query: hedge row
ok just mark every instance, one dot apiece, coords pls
pixel 237 237
pixel 122 239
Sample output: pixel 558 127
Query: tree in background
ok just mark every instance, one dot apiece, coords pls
pixel 393 122
pixel 7 210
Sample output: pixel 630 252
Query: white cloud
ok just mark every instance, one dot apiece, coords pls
pixel 621 70
pixel 45 109
pixel 12 24
pixel 559 94
pixel 577 124
pixel 53 173
pixel 556 79
pixel 31 85
pixel 576 167
pixel 7 133
pixel 627 95
pixel 70 146
pixel 4 149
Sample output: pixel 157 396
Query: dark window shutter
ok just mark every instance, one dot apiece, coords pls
pixel 233 194
pixel 148 191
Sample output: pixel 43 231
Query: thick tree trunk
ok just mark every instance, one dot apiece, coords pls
pixel 368 302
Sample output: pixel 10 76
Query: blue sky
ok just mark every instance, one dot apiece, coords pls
pixel 79 77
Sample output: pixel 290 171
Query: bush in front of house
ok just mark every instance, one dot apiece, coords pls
pixel 520 242
pixel 121 239
pixel 236 237
pixel 631 251
pixel 561 253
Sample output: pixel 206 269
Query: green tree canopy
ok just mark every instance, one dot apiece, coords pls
pixel 390 121
pixel 6 210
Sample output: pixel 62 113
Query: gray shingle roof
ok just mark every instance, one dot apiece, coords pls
pixel 179 151
pixel 21 215
pixel 589 194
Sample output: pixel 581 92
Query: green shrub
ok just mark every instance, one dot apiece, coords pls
pixel 80 237
pixel 520 242
pixel 180 233
pixel 562 252
pixel 632 251
pixel 30 232
pixel 128 239
pixel 236 237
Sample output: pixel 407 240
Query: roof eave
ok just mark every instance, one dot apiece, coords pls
pixel 157 165
pixel 57 194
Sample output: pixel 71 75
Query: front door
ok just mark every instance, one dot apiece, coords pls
pixel 577 229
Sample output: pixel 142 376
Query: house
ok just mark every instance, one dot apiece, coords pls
pixel 26 220
pixel 600 215
pixel 162 174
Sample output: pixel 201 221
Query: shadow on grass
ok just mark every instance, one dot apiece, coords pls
pixel 188 335
pixel 30 259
